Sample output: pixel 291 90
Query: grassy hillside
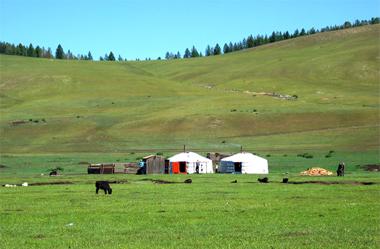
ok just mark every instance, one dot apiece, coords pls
pixel 213 103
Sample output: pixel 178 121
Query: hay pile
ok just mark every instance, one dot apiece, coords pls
pixel 316 172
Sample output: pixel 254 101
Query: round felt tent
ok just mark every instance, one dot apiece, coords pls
pixel 244 163
pixel 189 163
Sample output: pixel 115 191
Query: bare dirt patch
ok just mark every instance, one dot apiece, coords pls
pixel 18 122
pixel 50 183
pixel 119 182
pixel 39 236
pixel 160 181
pixel 13 210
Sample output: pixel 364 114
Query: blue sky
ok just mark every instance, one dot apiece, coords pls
pixel 140 29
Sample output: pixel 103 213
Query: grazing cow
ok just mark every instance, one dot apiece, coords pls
pixel 234 181
pixel 53 173
pixel 103 185
pixel 188 181
pixel 285 180
pixel 263 180
pixel 340 170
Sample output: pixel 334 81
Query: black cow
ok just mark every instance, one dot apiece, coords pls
pixel 285 180
pixel 263 180
pixel 103 185
pixel 340 170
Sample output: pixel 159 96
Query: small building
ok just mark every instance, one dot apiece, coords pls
pixel 244 163
pixel 154 164
pixel 189 163
pixel 101 168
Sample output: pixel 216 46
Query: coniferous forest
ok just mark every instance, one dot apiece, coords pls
pixel 228 47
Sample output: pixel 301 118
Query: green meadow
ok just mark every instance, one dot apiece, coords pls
pixel 211 212
pixel 317 94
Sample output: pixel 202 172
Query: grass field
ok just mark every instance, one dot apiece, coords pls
pixel 67 113
pixel 209 213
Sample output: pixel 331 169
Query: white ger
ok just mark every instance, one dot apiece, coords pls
pixel 244 163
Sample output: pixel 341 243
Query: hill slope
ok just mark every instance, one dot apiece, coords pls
pixel 218 102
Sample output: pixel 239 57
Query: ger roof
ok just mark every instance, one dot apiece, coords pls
pixel 243 157
pixel 188 157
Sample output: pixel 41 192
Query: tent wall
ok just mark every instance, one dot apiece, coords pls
pixel 247 167
pixel 191 167
pixel 175 167
pixel 191 162
pixel 226 167
pixel 260 167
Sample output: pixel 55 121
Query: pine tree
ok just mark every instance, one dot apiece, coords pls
pixel 286 35
pixel 231 47
pixel 250 41
pixel 194 52
pixel 167 55
pixel 178 55
pixel 208 51
pixel 226 48
pixel 187 53
pixel 120 58
pixel 303 32
pixel 59 53
pixel 3 47
pixel 89 56
pixel 375 20
pixel 347 25
pixel 235 47
pixel 31 52
pixel 38 51
pixel 217 50
pixel 20 50
pixel 272 37
pixel 69 55
pixel 296 33
pixel 49 53
pixel 111 57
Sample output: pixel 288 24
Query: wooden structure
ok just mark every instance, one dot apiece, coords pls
pixel 131 168
pixel 155 164
pixel 113 168
pixel 101 168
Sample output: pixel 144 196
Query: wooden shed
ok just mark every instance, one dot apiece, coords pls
pixel 154 164
pixel 101 168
